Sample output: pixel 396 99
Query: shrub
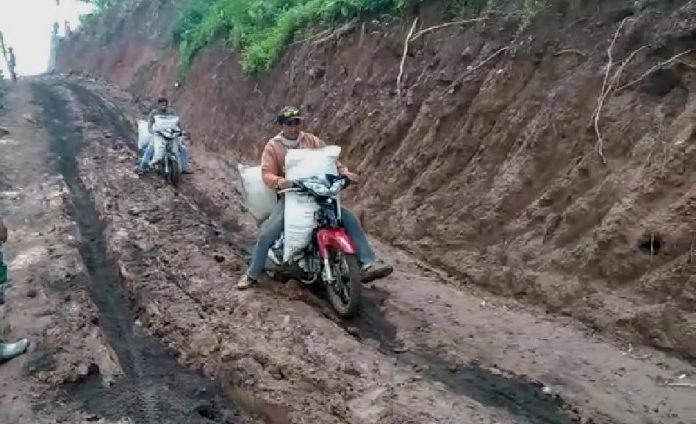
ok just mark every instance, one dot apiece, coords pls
pixel 260 29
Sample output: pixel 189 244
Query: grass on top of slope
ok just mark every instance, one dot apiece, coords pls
pixel 261 29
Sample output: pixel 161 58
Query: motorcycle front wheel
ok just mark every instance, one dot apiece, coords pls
pixel 345 292
pixel 174 174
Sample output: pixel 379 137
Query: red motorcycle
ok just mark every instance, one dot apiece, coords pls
pixel 330 257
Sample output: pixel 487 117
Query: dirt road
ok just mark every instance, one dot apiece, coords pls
pixel 144 267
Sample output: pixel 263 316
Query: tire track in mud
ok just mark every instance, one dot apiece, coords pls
pixel 520 397
pixel 155 388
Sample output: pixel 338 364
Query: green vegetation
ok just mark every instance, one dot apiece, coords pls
pixel 260 29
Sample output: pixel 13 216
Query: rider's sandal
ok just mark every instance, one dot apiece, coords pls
pixel 11 350
pixel 245 282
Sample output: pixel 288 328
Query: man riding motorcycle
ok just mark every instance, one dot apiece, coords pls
pixel 273 169
pixel 162 109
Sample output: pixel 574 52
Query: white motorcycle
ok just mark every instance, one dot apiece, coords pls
pixel 167 142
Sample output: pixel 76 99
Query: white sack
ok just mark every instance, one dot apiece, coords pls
pixel 300 208
pixel 162 122
pixel 144 135
pixel 160 147
pixel 258 198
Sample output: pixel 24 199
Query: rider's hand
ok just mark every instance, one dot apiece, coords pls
pixel 285 184
pixel 353 178
pixel 3 231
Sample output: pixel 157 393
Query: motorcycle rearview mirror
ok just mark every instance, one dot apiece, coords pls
pixel 345 182
pixel 331 178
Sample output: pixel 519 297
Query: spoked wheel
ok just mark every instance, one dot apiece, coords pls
pixel 174 174
pixel 345 291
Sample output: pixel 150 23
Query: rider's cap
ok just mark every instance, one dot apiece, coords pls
pixel 289 114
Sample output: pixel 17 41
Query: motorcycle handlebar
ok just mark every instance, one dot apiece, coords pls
pixel 299 187
pixel 289 190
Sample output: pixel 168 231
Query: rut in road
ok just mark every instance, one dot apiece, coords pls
pixel 155 388
pixel 522 398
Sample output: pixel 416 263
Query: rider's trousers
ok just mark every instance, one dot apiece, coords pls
pixel 149 154
pixel 272 228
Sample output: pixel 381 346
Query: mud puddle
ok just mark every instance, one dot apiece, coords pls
pixel 522 398
pixel 154 387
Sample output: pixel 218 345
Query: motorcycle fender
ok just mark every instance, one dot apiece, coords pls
pixel 336 238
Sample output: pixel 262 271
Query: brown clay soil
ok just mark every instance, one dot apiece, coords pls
pixel 89 361
pixel 159 266
pixel 487 165
pixel 47 300
pixel 533 283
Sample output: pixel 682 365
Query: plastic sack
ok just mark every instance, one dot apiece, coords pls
pixel 300 208
pixel 144 135
pixel 258 198
pixel 159 148
pixel 165 122
pixel 162 122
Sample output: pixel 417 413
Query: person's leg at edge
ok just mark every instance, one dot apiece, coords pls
pixel 372 268
pixel 269 232
pixel 11 350
pixel 352 225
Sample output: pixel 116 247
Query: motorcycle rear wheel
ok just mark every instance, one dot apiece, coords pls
pixel 344 295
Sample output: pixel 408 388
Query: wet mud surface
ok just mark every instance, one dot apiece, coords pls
pixel 429 367
pixel 486 166
pixel 521 398
pixel 161 264
pixel 155 388
pixel 524 399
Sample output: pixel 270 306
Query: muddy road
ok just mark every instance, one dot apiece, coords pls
pixel 154 268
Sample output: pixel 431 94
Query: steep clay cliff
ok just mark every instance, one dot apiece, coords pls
pixel 488 164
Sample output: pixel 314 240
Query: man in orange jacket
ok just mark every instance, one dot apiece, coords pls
pixel 273 169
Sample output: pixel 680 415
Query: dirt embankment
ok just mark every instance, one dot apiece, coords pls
pixel 488 163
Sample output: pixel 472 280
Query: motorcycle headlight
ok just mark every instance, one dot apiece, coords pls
pixel 337 187
pixel 317 188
